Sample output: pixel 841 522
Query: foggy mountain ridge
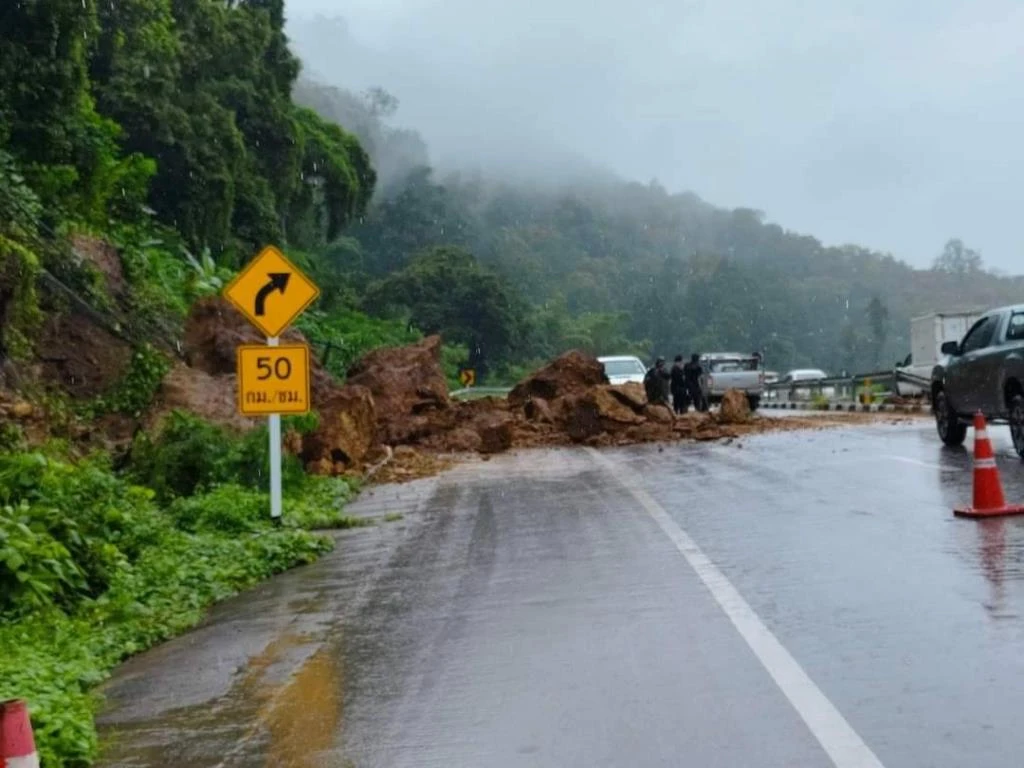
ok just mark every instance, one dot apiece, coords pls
pixel 854 124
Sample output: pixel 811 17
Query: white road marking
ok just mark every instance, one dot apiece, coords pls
pixel 836 736
pixel 918 463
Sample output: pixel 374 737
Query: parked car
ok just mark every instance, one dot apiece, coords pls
pixel 731 370
pixel 983 372
pixel 623 369
pixel 801 383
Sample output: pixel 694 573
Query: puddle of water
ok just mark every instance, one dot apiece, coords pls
pixel 303 719
pixel 283 722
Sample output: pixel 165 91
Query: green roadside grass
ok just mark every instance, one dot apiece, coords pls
pixel 97 565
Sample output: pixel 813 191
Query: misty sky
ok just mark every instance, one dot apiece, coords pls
pixel 893 124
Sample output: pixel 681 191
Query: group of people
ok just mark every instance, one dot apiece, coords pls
pixel 677 388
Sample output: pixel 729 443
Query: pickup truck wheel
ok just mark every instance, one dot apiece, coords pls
pixel 950 429
pixel 1017 423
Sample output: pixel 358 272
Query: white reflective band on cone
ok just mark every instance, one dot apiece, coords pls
pixel 984 463
pixel 28 761
pixel 981 434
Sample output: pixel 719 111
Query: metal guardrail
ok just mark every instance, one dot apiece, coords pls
pixel 844 387
pixel 469 393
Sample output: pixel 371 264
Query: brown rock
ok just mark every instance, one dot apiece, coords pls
pixel 495 431
pixel 658 413
pixel 538 409
pixel 735 408
pixel 214 330
pixel 320 467
pixel 611 409
pixel 346 429
pixel 213 398
pixel 578 416
pixel 571 373
pixel 459 440
pixel 377 454
pixel 404 381
pixel 21 410
pixel 631 394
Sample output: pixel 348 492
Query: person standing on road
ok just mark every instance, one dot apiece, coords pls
pixel 656 384
pixel 692 372
pixel 680 402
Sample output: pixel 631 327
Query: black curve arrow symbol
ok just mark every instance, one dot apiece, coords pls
pixel 278 282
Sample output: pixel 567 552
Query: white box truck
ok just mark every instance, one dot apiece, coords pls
pixel 927 335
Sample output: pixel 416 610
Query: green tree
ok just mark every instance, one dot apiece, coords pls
pixel 878 324
pixel 445 290
pixel 67 151
pixel 957 259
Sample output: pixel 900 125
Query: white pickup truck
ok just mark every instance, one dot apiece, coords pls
pixel 731 370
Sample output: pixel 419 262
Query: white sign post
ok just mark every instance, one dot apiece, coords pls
pixel 275 457
pixel 271 292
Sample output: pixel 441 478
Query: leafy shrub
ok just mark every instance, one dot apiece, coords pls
pixel 137 389
pixel 227 508
pixel 190 455
pixel 91 571
pixel 36 570
pixel 345 335
pixel 96 522
pixel 54 660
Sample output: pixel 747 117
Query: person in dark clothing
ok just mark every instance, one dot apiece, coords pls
pixel 680 402
pixel 656 384
pixel 692 372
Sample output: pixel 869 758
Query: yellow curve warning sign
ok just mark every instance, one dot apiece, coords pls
pixel 271 291
pixel 273 379
pixel 467 377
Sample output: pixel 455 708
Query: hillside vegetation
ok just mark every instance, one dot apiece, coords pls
pixel 619 266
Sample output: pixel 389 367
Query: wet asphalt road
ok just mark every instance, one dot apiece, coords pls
pixel 793 599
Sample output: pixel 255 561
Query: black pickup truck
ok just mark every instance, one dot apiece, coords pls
pixel 983 372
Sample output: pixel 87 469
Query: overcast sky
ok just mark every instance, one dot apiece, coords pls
pixel 893 124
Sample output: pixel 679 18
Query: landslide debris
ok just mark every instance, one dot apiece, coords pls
pixel 393 418
pixel 735 408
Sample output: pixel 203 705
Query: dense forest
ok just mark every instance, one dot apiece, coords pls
pixel 619 266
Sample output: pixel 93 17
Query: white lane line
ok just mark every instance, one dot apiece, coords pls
pixel 836 736
pixel 918 463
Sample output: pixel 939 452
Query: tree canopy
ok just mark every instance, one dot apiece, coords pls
pixel 183 103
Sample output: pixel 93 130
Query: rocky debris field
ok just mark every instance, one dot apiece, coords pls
pixel 393 418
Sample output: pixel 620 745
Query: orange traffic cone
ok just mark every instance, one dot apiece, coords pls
pixel 17 746
pixel 988 489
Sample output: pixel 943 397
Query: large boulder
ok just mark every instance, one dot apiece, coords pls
pixel 735 408
pixel 538 409
pixel 495 431
pixel 631 394
pixel 658 413
pixel 214 330
pixel 571 373
pixel 592 411
pixel 404 381
pixel 346 429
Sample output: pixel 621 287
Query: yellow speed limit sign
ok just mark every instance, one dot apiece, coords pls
pixel 273 379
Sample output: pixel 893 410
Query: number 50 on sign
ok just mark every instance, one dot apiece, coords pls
pixel 273 379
